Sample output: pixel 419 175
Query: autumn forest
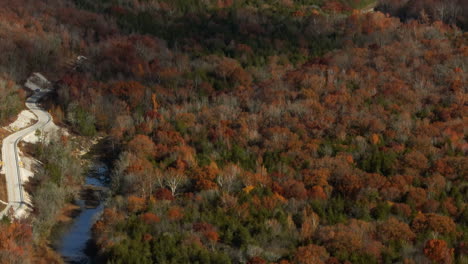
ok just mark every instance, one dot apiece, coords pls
pixel 248 131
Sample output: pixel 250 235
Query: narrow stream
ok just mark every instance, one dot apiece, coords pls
pixel 73 241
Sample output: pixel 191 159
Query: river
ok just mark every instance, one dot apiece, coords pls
pixel 73 242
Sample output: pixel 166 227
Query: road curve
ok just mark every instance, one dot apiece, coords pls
pixel 15 190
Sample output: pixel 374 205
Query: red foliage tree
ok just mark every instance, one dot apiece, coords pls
pixel 130 91
pixel 150 218
pixel 202 227
pixel 142 145
pixel 401 209
pixel 416 197
pixel 318 193
pixel 356 236
pixel 393 229
pixel 316 177
pixel 163 194
pixel 205 176
pixel 438 223
pixel 437 251
pixel 349 184
pixel 256 260
pixel 311 254
pixel 294 189
pixel 211 236
pixel 135 204
pixel 175 213
pixel 16 242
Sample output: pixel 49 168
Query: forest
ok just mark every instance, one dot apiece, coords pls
pixel 250 131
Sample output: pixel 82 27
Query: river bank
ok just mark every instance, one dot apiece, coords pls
pixel 72 234
pixel 76 232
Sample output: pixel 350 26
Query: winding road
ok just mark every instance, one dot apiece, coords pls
pixel 15 189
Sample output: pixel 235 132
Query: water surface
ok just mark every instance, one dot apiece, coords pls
pixel 73 241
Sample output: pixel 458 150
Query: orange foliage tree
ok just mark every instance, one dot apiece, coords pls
pixel 437 251
pixel 311 254
pixel 16 242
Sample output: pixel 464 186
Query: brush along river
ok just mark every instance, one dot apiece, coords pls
pixel 73 241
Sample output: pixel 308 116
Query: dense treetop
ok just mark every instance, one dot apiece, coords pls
pixel 263 131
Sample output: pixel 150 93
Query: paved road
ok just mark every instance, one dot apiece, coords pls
pixel 16 196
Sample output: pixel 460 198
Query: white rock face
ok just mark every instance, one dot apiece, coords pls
pixel 25 118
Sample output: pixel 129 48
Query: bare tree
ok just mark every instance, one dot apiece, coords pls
pixel 174 179
pixel 158 178
pixel 227 178
pixel 118 173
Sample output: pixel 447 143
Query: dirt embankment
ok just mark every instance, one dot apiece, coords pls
pixel 3 189
pixel 3 192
